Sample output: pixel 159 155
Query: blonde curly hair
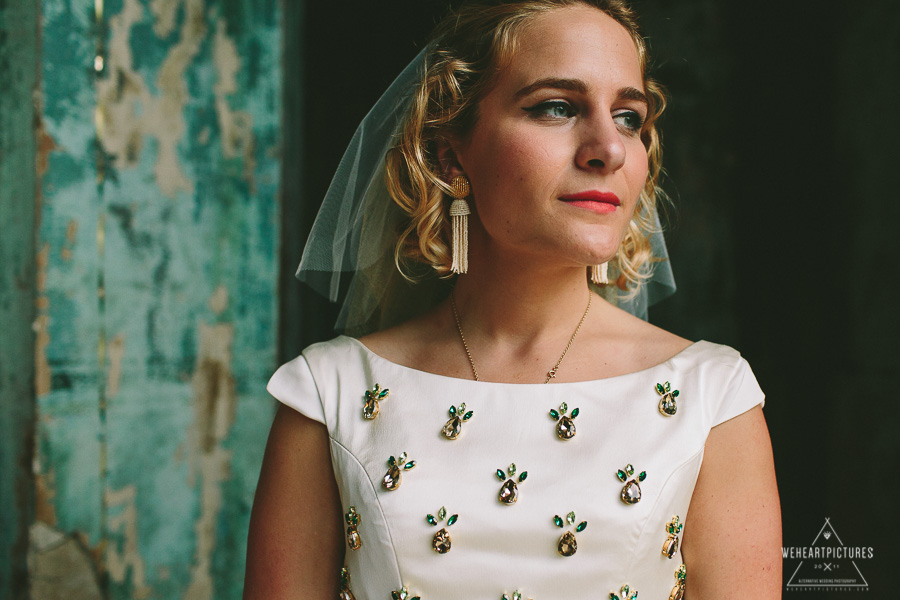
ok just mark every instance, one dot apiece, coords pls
pixel 467 50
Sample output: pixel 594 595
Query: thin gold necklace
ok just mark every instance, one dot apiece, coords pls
pixel 551 374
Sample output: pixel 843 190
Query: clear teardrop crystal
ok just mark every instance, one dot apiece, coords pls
pixel 567 545
pixel 441 542
pixel 667 405
pixel 631 493
pixel 452 428
pixel 391 479
pixel 509 492
pixel 353 539
pixel 565 428
pixel 670 547
pixel 370 410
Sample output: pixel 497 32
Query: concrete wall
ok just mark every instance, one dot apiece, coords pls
pixel 156 147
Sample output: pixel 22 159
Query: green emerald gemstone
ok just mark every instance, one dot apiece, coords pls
pixel 621 475
pixel 554 414
pixel 613 596
pixel 629 469
pixel 557 520
pixel 391 461
pixel 633 595
pixel 511 469
pixel 468 415
pixel 501 475
pixel 563 407
pixel 442 513
pixel 431 520
pixel 523 476
pixel 671 528
pixel 453 519
pixel 452 411
pixel 575 413
pixel 675 393
pixel 410 465
pixel 625 590
pixel 642 476
pixel 581 527
pixel 383 393
pixel 660 389
pixel 668 386
pixel 571 517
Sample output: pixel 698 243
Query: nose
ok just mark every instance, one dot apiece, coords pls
pixel 600 147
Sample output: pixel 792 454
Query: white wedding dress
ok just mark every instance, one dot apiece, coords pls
pixel 497 548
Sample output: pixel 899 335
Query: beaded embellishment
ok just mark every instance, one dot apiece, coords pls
pixel 353 519
pixel 393 479
pixel 567 546
pixel 458 416
pixel 509 491
pixel 631 492
pixel 345 593
pixel 677 592
pixel 673 528
pixel 625 593
pixel 517 595
pixel 565 425
pixel 403 594
pixel 440 543
pixel 373 397
pixel 667 405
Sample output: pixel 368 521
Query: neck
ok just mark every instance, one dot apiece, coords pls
pixel 521 303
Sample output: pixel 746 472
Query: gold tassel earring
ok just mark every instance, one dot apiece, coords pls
pixel 599 274
pixel 459 213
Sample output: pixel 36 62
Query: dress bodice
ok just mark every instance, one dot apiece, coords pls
pixel 495 547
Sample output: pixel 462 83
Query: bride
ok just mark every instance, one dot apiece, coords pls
pixel 525 168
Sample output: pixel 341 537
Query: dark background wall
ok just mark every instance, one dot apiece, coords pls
pixel 780 147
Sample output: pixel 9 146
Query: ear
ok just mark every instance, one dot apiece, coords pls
pixel 447 156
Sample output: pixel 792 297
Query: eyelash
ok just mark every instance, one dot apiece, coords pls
pixel 542 111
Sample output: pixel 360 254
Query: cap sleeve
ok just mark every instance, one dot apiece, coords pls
pixel 742 392
pixel 293 385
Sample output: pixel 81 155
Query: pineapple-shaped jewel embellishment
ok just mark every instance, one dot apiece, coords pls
pixel 458 416
pixel 403 594
pixel 393 479
pixel 440 543
pixel 667 405
pixel 509 491
pixel 353 520
pixel 565 424
pixel 517 595
pixel 677 592
pixel 345 593
pixel 625 593
pixel 673 528
pixel 373 397
pixel 567 546
pixel 631 492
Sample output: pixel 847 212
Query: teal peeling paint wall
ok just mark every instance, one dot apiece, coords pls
pixel 156 292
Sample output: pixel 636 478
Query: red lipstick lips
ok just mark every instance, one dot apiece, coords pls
pixel 600 202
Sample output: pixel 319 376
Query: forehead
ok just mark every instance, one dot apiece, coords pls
pixel 575 42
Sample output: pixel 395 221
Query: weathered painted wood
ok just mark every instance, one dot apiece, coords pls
pixel 18 164
pixel 161 286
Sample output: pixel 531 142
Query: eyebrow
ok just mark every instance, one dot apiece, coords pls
pixel 577 85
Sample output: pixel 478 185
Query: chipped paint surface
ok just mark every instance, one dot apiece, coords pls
pixel 157 304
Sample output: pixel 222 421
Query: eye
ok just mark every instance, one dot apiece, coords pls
pixel 629 120
pixel 552 109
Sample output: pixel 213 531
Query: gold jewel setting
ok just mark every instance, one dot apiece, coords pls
pixel 677 592
pixel 403 594
pixel 565 424
pixel 673 528
pixel 345 593
pixel 667 405
pixel 631 492
pixel 517 595
pixel 458 416
pixel 393 478
pixel 353 519
pixel 509 491
pixel 567 546
pixel 625 593
pixel 373 397
pixel 440 543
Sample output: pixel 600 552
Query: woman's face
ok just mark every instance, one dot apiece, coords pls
pixel 556 159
